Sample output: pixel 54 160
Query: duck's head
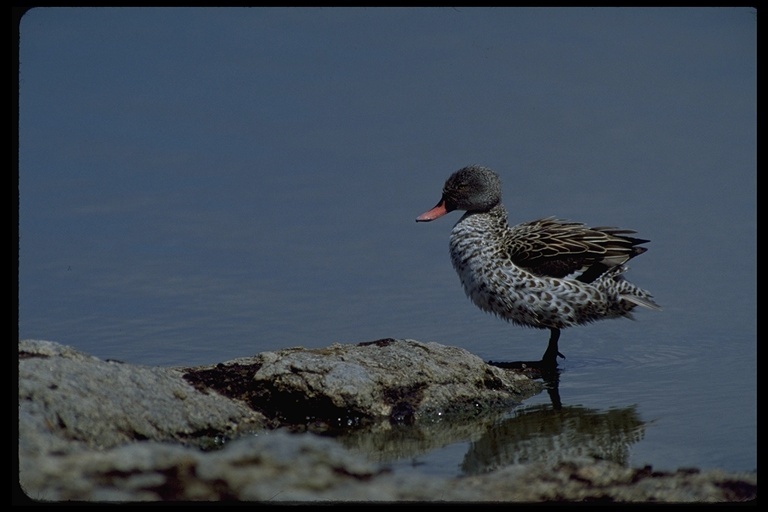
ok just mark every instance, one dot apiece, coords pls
pixel 473 188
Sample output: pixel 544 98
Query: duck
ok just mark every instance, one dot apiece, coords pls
pixel 548 273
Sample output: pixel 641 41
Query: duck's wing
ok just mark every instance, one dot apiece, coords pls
pixel 559 248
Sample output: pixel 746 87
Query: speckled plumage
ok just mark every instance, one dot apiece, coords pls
pixel 547 273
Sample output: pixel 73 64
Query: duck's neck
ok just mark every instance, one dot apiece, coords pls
pixel 495 217
pixel 479 241
pixel 480 230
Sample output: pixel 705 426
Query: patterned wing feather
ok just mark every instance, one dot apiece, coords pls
pixel 559 248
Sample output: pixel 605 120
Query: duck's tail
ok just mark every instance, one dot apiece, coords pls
pixel 645 300
pixel 630 293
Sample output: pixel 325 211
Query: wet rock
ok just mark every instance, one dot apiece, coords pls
pixel 401 381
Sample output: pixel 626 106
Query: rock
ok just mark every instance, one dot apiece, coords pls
pixel 278 466
pixel 591 480
pixel 96 430
pixel 102 404
pixel 401 381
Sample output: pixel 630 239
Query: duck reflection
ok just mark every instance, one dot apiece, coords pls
pixel 547 434
pixel 542 433
pixel 531 434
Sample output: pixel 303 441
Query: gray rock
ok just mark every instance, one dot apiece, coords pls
pixel 67 397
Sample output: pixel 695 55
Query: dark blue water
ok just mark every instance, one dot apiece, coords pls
pixel 199 186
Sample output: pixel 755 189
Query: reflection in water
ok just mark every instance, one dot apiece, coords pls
pixel 543 433
pixel 385 442
pixel 538 370
pixel 546 434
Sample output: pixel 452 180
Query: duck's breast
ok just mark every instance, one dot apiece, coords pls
pixel 495 284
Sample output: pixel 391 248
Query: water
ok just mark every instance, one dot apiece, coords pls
pixel 189 200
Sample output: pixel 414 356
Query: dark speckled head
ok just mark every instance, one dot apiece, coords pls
pixel 473 188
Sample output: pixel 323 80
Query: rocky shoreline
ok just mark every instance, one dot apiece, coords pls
pixel 306 425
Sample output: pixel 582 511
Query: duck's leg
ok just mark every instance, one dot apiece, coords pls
pixel 548 362
pixel 550 356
